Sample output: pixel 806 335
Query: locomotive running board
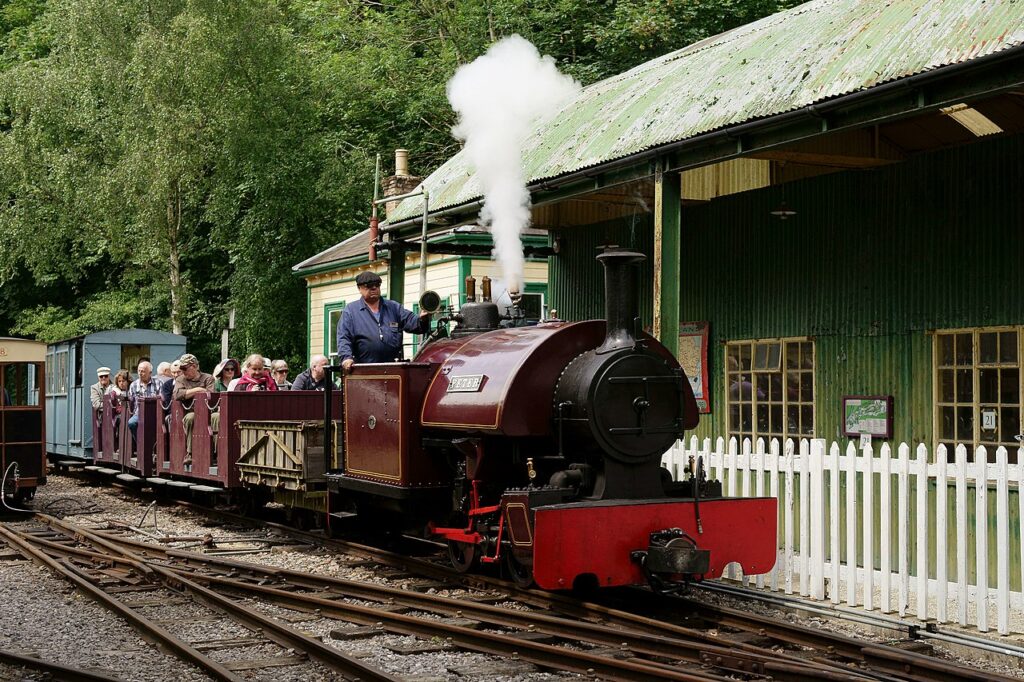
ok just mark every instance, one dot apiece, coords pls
pixel 598 538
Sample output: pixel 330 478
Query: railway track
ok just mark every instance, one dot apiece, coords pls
pixel 709 643
pixel 733 627
pixel 130 585
pixel 622 647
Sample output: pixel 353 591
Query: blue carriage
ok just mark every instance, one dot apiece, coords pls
pixel 71 369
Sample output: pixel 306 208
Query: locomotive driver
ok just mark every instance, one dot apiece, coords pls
pixel 371 328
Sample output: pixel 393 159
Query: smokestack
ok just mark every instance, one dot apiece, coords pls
pixel 485 289
pixel 620 298
pixel 401 182
pixel 470 289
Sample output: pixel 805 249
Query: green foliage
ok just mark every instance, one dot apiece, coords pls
pixel 162 163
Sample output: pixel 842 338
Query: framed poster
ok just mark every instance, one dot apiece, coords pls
pixel 867 415
pixel 693 357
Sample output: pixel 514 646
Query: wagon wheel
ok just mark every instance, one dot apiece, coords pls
pixel 521 574
pixel 464 556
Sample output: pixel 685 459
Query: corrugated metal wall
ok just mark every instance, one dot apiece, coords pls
pixel 576 288
pixel 871 262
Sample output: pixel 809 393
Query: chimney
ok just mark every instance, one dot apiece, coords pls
pixel 621 306
pixel 401 182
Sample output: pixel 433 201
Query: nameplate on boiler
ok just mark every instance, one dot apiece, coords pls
pixel 467 383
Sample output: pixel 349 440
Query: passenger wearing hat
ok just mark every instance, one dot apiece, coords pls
pixel 189 384
pixel 98 389
pixel 224 372
pixel 371 328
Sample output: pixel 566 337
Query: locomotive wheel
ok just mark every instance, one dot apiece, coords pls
pixel 521 574
pixel 464 556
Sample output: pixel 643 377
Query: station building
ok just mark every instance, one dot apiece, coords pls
pixel 457 253
pixel 830 202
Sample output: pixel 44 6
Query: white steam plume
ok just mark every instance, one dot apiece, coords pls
pixel 499 97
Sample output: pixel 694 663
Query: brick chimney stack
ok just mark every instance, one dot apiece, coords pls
pixel 401 182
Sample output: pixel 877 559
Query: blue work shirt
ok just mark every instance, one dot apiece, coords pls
pixel 365 338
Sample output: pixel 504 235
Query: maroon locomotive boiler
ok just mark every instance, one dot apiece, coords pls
pixel 540 447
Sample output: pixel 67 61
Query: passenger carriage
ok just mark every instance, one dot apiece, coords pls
pixel 71 365
pixel 22 417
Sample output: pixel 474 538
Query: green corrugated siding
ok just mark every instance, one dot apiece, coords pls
pixel 577 270
pixel 872 261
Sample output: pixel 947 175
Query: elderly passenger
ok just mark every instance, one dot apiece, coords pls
pixel 254 376
pixel 190 384
pixel 145 386
pixel 314 378
pixel 279 370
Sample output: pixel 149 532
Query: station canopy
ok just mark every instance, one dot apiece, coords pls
pixel 812 54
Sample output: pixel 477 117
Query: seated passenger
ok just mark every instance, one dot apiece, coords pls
pixel 122 381
pixel 145 386
pixel 314 378
pixel 167 387
pixel 254 378
pixel 189 384
pixel 279 370
pixel 98 390
pixel 163 373
pixel 224 373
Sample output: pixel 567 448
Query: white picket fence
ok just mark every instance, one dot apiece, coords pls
pixel 917 529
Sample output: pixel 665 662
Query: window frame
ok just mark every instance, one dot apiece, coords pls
pixel 331 334
pixel 976 403
pixel 728 402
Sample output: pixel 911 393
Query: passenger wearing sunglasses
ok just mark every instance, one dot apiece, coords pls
pixel 279 370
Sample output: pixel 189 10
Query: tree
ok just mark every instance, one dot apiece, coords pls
pixel 165 144
pixel 161 163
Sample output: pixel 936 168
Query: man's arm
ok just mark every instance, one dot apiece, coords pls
pixel 96 397
pixel 300 382
pixel 207 387
pixel 180 392
pixel 413 323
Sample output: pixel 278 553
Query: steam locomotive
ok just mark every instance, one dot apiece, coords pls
pixel 534 447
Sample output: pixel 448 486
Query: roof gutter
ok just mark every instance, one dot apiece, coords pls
pixel 812 110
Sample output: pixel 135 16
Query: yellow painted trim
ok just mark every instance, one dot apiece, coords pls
pixel 511 532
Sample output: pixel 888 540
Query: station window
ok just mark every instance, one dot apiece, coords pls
pixel 978 389
pixel 332 318
pixel 770 389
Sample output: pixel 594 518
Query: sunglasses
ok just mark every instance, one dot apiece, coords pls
pixel 283 370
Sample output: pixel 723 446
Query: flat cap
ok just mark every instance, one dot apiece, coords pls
pixel 187 359
pixel 103 372
pixel 367 277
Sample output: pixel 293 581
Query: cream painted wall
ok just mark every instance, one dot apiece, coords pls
pixel 442 277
